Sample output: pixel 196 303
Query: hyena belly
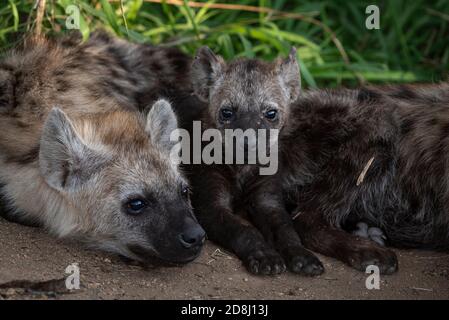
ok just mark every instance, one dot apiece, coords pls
pixel 423 167
pixel 363 155
pixel 414 191
pixel 81 154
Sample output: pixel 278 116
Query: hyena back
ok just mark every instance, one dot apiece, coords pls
pixel 79 159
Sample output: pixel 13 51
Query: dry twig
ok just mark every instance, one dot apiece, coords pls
pixel 40 7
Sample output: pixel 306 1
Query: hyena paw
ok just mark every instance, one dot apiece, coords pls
pixel 304 262
pixel 383 258
pixel 265 261
pixel 371 233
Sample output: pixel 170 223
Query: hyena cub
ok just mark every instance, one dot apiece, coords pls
pixel 238 207
pixel 377 155
pixel 78 158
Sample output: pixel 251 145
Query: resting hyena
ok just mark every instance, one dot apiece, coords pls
pixel 78 158
pixel 235 205
pixel 372 154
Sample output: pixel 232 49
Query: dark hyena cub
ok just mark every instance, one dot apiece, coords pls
pixel 236 206
pixel 373 154
pixel 78 158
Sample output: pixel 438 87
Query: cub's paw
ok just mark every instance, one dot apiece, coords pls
pixel 265 261
pixel 383 258
pixel 304 262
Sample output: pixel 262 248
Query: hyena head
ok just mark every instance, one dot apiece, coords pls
pixel 246 93
pixel 114 171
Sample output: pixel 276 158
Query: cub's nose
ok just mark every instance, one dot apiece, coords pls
pixel 193 234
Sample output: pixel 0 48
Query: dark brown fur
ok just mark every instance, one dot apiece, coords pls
pixel 326 141
pixel 235 205
pixel 330 139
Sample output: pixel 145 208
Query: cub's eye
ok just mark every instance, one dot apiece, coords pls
pixel 135 206
pixel 226 113
pixel 271 114
pixel 185 191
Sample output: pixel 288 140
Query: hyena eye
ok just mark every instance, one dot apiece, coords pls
pixel 135 206
pixel 185 191
pixel 226 114
pixel 271 114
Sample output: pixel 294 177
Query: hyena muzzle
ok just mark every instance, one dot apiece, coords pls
pixel 78 158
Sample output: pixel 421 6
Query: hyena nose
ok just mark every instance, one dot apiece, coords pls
pixel 193 235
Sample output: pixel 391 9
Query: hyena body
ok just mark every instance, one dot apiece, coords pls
pixel 233 202
pixel 374 154
pixel 78 158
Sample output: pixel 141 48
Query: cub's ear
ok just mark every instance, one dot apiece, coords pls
pixel 206 69
pixel 288 70
pixel 161 122
pixel 65 161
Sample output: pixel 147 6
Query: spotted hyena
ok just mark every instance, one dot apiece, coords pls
pixel 79 159
pixel 373 154
pixel 235 204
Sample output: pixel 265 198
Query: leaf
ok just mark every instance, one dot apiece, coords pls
pixel 110 16
pixel 15 14
pixel 247 46
pixel 133 9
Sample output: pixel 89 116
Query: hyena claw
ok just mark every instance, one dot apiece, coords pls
pixel 265 262
pixel 383 258
pixel 308 265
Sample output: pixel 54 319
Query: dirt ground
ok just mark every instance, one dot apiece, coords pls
pixel 30 254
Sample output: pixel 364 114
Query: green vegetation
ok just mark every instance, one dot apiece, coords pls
pixel 411 45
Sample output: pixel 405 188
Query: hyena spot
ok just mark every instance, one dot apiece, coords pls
pixel 265 262
pixel 372 233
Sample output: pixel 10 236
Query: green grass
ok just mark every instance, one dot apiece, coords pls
pixel 412 44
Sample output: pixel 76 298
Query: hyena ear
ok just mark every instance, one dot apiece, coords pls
pixel 288 71
pixel 161 122
pixel 64 160
pixel 206 69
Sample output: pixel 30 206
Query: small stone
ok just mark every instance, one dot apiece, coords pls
pixel 93 285
pixel 10 292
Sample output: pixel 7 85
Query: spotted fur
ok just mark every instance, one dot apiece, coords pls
pixel 327 139
pixel 238 208
pixel 75 149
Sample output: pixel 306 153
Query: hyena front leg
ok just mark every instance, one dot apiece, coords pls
pixel 212 205
pixel 237 235
pixel 268 213
pixel 319 235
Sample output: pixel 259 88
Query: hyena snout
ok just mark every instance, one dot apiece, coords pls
pixel 193 235
pixel 182 238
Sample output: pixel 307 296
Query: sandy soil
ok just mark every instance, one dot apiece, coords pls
pixel 30 254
